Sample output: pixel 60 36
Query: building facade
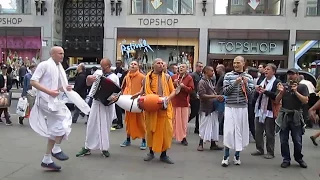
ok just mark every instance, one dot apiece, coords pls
pixel 211 31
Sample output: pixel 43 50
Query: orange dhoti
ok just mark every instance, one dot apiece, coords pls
pixel 135 125
pixel 159 130
pixel 180 122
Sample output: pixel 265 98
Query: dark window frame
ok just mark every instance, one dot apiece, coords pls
pixel 144 9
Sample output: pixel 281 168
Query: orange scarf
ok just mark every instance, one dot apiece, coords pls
pixel 128 81
pixel 166 93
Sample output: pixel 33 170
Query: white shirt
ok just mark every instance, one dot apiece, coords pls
pixel 48 76
pixel 309 84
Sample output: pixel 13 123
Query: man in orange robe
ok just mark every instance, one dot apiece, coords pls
pixel 159 123
pixel 135 125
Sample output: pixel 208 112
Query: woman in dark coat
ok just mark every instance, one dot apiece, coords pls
pixel 5 86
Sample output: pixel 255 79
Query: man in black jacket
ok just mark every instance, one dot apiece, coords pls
pixel 80 87
pixel 121 73
pixel 194 98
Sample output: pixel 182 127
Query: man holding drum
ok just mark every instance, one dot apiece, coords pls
pixel 135 125
pixel 158 123
pixel 101 116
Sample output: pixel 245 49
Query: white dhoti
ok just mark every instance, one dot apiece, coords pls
pixel 98 126
pixel 236 128
pixel 209 126
pixel 49 123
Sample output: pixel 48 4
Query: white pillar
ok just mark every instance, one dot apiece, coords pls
pixel 203 46
pixel 292 40
pixel 110 44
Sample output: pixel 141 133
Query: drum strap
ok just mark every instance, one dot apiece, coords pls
pixel 131 105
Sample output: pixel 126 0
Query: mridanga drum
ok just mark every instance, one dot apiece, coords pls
pixel 149 103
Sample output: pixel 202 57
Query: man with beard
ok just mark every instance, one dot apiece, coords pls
pixel 194 97
pixel 237 86
pixel 293 96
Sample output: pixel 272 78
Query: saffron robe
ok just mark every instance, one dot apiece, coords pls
pixel 159 123
pixel 135 124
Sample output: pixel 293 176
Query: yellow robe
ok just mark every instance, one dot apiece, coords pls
pixel 135 124
pixel 159 124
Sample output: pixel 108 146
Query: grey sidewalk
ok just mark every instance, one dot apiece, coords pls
pixel 22 150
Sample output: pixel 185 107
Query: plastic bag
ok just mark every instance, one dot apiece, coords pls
pixel 22 107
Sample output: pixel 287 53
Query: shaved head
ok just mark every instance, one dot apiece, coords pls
pixel 57 54
pixel 105 64
pixel 158 65
pixel 240 58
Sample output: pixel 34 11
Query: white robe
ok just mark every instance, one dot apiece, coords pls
pixel 209 126
pixel 236 128
pixel 100 121
pixel 49 117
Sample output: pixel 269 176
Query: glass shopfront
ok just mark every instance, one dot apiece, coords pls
pixel 20 45
pixel 313 8
pixel 162 7
pixel 254 51
pixel 144 51
pixel 249 7
pixel 15 7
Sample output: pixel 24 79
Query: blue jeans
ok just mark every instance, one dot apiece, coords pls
pixel 296 135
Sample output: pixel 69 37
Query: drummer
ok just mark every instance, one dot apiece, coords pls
pixel 135 126
pixel 159 123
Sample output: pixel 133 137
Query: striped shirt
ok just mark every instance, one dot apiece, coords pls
pixel 235 95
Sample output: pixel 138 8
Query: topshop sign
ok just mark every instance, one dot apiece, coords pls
pixel 246 47
pixel 16 21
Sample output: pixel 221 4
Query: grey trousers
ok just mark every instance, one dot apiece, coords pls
pixel 269 128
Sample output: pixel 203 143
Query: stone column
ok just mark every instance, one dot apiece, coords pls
pixel 203 46
pixel 291 53
pixel 110 44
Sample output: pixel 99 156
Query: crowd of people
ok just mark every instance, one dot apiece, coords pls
pixel 232 104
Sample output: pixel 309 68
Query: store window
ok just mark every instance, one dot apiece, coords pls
pixel 144 53
pixel 313 8
pixel 311 56
pixel 20 45
pixel 15 7
pixel 162 6
pixel 249 7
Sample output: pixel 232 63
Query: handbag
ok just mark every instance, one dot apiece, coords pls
pixel 275 108
pixel 5 99
pixel 22 107
pixel 219 106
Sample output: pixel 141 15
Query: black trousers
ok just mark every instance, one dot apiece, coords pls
pixel 251 119
pixel 119 120
pixel 195 107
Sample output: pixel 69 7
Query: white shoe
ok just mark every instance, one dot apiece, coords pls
pixel 236 161
pixel 225 163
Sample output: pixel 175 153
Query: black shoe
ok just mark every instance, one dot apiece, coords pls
pixel 21 120
pixel 302 164
pixel 118 126
pixel 74 122
pixel 8 122
pixel 285 164
pixel 52 166
pixel 149 157
pixel 313 139
pixel 105 154
pixel 184 142
pixel 60 156
pixel 216 147
pixel 166 159
pixel 196 131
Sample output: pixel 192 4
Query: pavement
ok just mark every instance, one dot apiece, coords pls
pixel 16 93
pixel 21 152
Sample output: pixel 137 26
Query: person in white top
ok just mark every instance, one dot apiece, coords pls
pixel 309 84
pixel 50 117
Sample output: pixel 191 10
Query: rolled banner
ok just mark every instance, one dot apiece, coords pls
pixel 219 106
pixel 78 101
pixel 128 104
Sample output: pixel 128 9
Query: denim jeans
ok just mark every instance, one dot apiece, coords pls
pixel 296 135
